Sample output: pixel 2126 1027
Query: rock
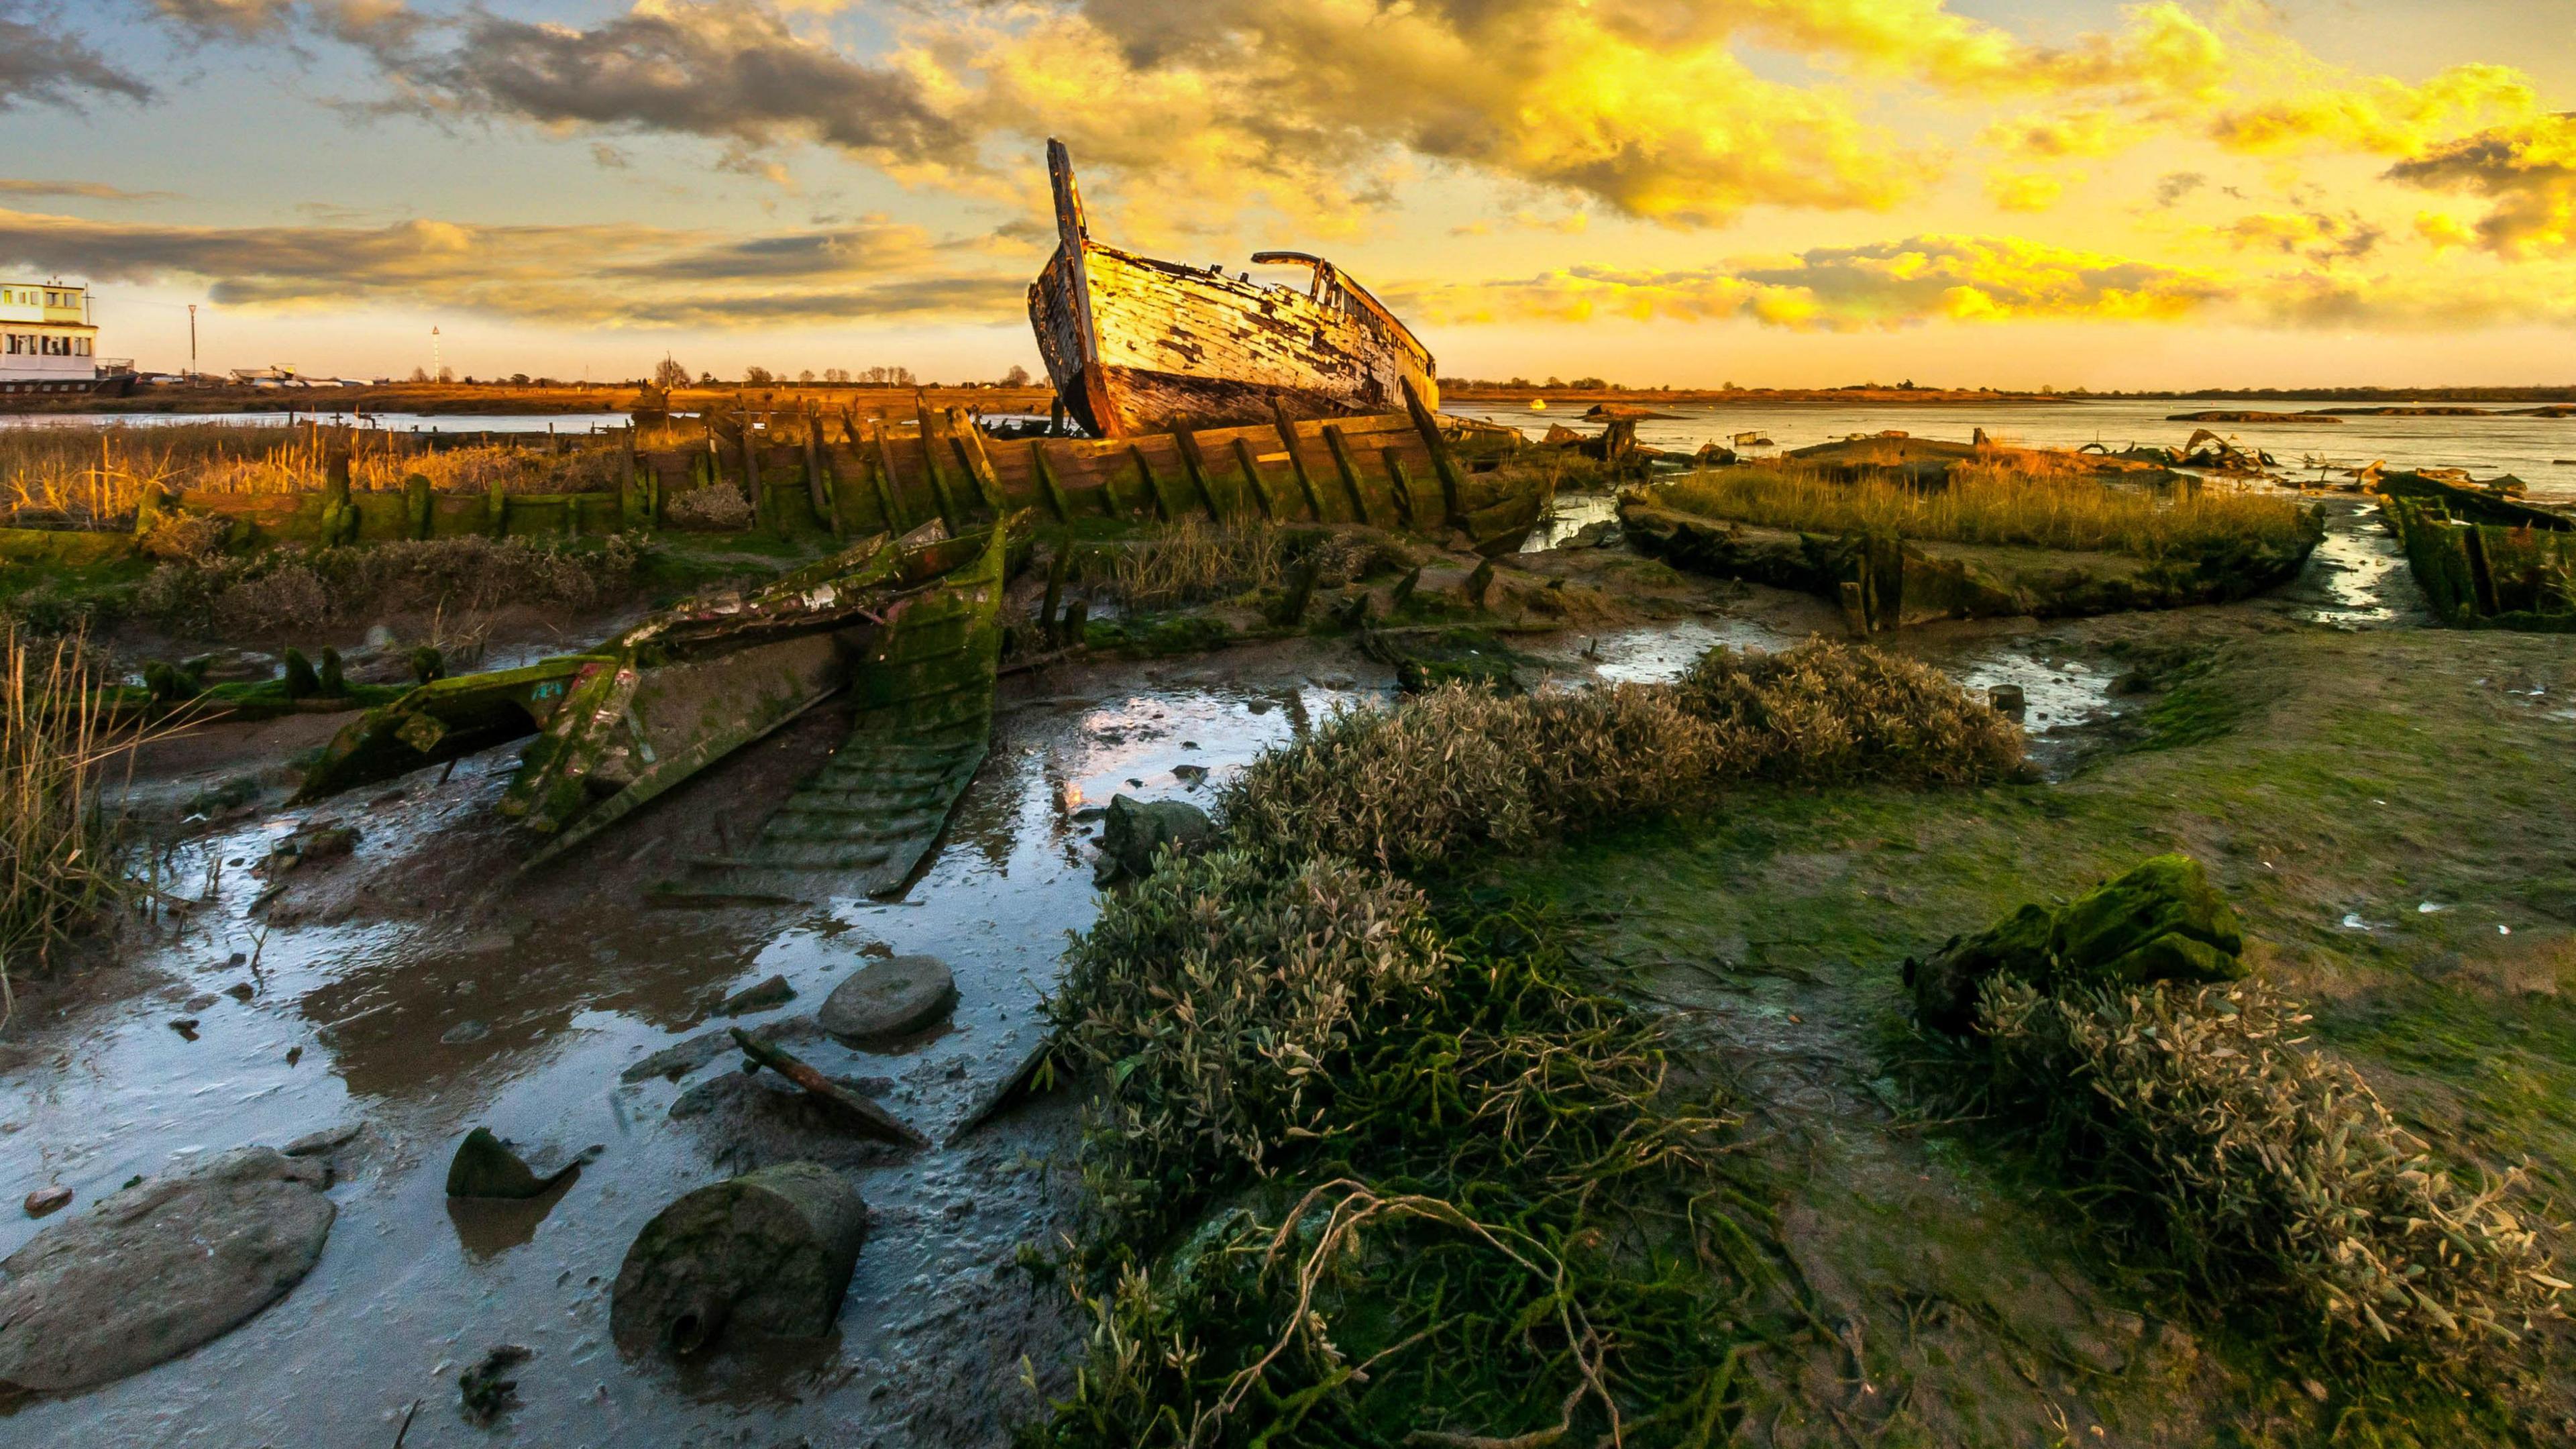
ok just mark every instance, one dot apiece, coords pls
pixel 887 999
pixel 312 843
pixel 761 997
pixel 1134 830
pixel 484 1166
pixel 743 1120
pixel 2162 921
pixel 48 1200
pixel 240 991
pixel 152 1271
pixel 199 1002
pixel 329 1139
pixel 1190 775
pixel 766 1254
pixel 468 1030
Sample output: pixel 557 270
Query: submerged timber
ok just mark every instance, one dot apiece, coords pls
pixel 1137 345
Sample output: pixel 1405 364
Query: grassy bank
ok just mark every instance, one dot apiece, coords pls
pixel 2020 501
pixel 2378 806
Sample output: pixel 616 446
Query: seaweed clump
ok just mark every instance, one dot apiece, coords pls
pixel 2124 1039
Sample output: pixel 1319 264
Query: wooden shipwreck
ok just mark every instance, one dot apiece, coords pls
pixel 1137 345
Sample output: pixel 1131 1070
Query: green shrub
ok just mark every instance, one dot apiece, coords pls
pixel 1830 714
pixel 2263 1168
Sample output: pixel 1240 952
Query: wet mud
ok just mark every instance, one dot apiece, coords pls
pixel 417 989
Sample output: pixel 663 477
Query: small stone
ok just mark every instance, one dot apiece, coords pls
pixel 240 991
pixel 2314 1390
pixel 760 997
pixel 314 1144
pixel 199 1002
pixel 48 1200
pixel 1192 775
pixel 889 999
pixel 484 1166
pixel 237 958
pixel 468 1030
pixel 185 1026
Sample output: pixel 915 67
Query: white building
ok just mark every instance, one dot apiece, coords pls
pixel 46 337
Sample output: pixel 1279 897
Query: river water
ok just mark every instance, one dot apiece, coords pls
pixel 2531 449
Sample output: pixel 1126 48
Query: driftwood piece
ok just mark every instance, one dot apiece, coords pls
pixel 867 1116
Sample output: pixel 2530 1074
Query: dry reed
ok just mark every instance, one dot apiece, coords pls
pixel 62 859
pixel 98 476
pixel 1461 769
pixel 2007 499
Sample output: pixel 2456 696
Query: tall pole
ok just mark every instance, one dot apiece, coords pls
pixel 192 339
pixel 437 365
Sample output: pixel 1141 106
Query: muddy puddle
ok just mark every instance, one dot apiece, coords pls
pixel 423 1028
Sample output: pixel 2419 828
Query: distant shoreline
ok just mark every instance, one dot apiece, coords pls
pixel 460 400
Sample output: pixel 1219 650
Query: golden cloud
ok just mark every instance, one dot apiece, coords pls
pixel 610 275
pixel 1884 285
pixel 2527 170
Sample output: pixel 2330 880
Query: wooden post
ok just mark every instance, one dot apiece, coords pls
pixel 1044 473
pixel 1400 483
pixel 630 490
pixel 930 460
pixel 1452 486
pixel 417 507
pixel 1188 444
pixel 968 440
pixel 1251 467
pixel 339 517
pixel 496 512
pixel 1340 447
pixel 761 512
pixel 826 511
pixel 882 474
pixel 1153 487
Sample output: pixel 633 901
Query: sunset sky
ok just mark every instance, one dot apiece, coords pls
pixel 1767 192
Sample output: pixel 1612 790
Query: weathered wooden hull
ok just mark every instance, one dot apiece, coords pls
pixel 1135 345
pixel 700 681
pixel 445 719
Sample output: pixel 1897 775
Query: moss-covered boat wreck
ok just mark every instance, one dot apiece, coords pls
pixel 2484 559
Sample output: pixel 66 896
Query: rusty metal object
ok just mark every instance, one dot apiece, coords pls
pixel 1137 345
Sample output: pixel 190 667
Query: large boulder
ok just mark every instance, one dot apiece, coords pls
pixel 766 1254
pixel 157 1269
pixel 2162 921
pixel 1134 830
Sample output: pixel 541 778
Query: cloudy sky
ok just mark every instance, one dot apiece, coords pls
pixel 1769 192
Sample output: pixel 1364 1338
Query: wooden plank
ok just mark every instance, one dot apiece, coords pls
pixel 1400 483
pixel 1153 486
pixel 1045 477
pixel 1196 471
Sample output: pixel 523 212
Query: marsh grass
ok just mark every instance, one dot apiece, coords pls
pixel 63 859
pixel 290 590
pixel 2211 1140
pixel 2007 498
pixel 1461 769
pixel 1191 562
pixel 96 476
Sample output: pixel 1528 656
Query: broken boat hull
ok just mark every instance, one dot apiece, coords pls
pixel 1135 345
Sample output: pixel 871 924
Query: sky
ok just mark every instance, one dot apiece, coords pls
pixel 1787 193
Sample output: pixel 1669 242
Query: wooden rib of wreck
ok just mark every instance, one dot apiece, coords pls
pixel 1137 345
pixel 1413 470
